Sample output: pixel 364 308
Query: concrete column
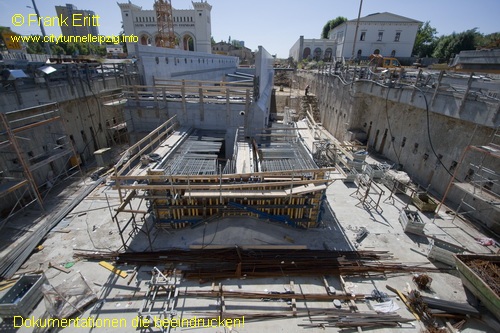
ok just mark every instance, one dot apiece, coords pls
pixel 301 47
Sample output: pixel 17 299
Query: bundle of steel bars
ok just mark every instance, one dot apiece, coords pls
pixel 324 318
pixel 358 319
pixel 488 271
pixel 235 262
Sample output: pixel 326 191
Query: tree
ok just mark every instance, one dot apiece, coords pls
pixel 58 50
pixel 98 49
pixel 426 40
pixel 491 41
pixel 34 47
pixel 71 49
pixel 123 44
pixel 454 43
pixel 332 24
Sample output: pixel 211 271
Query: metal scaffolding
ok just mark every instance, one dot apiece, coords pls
pixel 481 184
pixel 185 178
pixel 198 155
pixel 165 24
pixel 37 154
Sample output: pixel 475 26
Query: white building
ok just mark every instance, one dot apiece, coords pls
pixel 318 49
pixel 114 49
pixel 192 27
pixel 380 33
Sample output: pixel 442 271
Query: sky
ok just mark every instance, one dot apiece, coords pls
pixel 277 24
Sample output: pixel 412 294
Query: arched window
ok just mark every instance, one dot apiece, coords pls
pixel 187 43
pixel 393 53
pixel 359 53
pixel 306 53
pixel 317 53
pixel 328 54
pixel 144 40
pixel 377 51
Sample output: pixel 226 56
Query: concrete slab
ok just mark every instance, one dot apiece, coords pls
pixel 90 227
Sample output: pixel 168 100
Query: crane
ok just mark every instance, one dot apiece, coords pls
pixel 165 23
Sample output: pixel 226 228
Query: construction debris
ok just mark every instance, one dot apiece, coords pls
pixel 113 269
pixel 361 234
pixel 59 268
pixel 68 298
pixel 488 271
pixel 423 281
pixel 363 320
pixel 19 253
pixel 405 300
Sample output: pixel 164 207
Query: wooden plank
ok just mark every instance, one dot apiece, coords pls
pixel 59 268
pixel 214 187
pixel 308 188
pixel 126 200
pixel 248 247
pixel 113 269
pixel 405 301
pixel 282 173
pixel 132 277
pixel 7 285
pixel 353 307
pixel 222 301
pixel 450 328
pixel 14 187
pixel 138 144
pixel 36 124
pixel 134 211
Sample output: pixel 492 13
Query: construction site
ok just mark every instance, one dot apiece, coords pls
pixel 180 192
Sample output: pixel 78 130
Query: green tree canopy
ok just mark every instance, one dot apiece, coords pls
pixel 56 49
pixel 426 40
pixel 454 43
pixel 35 47
pixel 332 24
pixel 491 41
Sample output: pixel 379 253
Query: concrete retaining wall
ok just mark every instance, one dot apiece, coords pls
pixel 395 122
pixel 164 63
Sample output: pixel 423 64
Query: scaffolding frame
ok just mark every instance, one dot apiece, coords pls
pixel 492 149
pixel 165 24
pixel 180 196
pixel 116 127
pixel 27 189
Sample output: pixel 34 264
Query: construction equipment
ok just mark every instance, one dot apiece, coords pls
pixel 380 61
pixel 165 23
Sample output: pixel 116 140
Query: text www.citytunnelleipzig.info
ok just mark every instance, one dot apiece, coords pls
pixel 101 39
